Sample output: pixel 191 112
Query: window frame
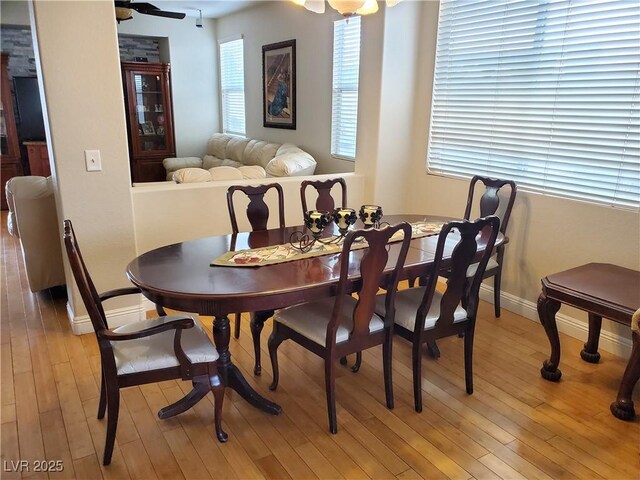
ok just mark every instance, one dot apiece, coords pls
pixel 234 38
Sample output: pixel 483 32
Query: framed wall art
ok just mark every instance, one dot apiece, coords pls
pixel 279 85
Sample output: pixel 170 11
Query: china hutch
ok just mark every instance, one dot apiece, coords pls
pixel 149 118
pixel 9 146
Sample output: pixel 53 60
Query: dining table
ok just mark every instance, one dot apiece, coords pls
pixel 181 277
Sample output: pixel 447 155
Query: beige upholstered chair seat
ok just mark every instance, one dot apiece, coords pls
pixel 156 351
pixel 407 303
pixel 310 319
pixel 473 268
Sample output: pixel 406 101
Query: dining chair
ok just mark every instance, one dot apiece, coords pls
pixel 323 187
pixel 258 217
pixel 326 202
pixel 490 205
pixel 337 326
pixel 424 315
pixel 153 350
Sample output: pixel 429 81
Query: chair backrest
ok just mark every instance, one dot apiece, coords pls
pixel 372 265
pixel 325 201
pixel 86 287
pixel 257 210
pixel 464 253
pixel 490 200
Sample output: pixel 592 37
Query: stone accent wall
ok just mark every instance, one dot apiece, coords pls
pixel 17 42
pixel 132 47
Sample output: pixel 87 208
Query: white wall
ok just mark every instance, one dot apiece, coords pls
pixel 79 71
pixel 14 12
pixel 274 22
pixel 200 209
pixel 194 76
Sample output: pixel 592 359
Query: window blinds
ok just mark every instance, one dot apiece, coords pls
pixel 546 93
pixel 232 86
pixel 346 69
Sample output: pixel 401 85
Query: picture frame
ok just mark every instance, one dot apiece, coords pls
pixel 160 130
pixel 147 128
pixel 279 85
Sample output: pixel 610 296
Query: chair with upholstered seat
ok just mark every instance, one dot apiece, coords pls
pixel 424 315
pixel 323 188
pixel 490 205
pixel 165 348
pixel 258 217
pixel 337 326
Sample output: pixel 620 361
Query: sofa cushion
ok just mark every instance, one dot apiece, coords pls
pixel 172 164
pixel 231 163
pixel 252 171
pixel 235 148
pixel 209 161
pixel 291 164
pixel 191 175
pixel 225 173
pixel 259 152
pixel 217 145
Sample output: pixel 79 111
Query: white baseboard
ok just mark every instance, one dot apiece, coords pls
pixel 609 342
pixel 117 317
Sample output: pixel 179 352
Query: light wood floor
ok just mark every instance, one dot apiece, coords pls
pixel 516 425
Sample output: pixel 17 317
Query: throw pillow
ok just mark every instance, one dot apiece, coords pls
pixel 225 173
pixel 191 175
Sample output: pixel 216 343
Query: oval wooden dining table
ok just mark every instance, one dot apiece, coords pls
pixel 181 277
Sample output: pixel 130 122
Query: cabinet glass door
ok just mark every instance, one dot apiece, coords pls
pixel 150 112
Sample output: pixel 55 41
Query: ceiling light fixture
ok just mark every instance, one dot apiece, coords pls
pixel 199 19
pixel 345 7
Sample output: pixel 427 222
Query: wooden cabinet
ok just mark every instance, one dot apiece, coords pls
pixel 38 158
pixel 9 147
pixel 149 119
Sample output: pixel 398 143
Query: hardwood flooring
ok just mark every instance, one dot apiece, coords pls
pixel 515 425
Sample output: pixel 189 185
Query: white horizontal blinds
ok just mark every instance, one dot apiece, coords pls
pixel 346 72
pixel 546 93
pixel 232 86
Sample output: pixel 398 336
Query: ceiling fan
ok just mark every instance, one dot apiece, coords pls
pixel 125 8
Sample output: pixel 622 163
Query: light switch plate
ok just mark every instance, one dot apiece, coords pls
pixel 93 161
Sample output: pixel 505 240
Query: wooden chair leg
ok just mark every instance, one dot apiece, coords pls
pixel 432 348
pixel 416 358
pixel 386 364
pixel 113 408
pixel 236 330
pixel 102 403
pixel 330 385
pixel 468 360
pixel 215 384
pixel 257 324
pixel 497 280
pixel 275 339
pixel 356 366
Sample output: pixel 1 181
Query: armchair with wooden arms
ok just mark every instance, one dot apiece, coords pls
pixel 153 350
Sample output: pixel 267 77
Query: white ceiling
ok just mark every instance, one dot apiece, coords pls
pixel 210 8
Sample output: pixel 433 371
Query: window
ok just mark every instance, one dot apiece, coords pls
pixel 232 86
pixel 545 93
pixel 346 71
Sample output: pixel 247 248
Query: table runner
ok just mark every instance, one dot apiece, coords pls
pixel 274 254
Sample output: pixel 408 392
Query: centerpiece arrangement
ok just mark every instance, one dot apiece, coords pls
pixel 317 220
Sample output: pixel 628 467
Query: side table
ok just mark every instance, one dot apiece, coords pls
pixel 602 290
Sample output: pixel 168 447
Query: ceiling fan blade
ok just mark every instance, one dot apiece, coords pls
pixel 148 9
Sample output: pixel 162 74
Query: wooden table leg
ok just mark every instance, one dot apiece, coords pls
pixel 257 324
pixel 231 375
pixel 590 351
pixel 547 309
pixel 622 408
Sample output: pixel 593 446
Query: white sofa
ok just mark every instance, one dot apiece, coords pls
pixel 264 159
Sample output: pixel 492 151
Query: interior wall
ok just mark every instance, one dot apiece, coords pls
pixel 84 110
pixel 273 22
pixel 14 12
pixel 547 234
pixel 194 76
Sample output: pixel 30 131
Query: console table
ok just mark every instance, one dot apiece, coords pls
pixel 602 290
